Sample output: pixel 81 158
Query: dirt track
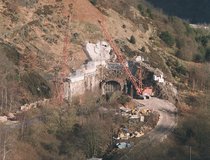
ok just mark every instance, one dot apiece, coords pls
pixel 167 122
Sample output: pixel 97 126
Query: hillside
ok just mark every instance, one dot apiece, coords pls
pixel 32 43
pixel 32 34
pixel 36 30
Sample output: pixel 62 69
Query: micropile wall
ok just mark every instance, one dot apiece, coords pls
pixel 87 78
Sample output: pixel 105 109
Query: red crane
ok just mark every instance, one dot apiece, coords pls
pixel 139 78
pixel 121 59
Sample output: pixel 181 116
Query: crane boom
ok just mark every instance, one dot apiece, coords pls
pixel 120 58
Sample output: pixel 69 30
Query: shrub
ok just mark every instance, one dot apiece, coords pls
pixel 171 19
pixel 167 38
pixel 180 43
pixel 141 9
pixel 46 10
pixel 198 58
pixel 207 55
pixel 188 29
pixel 203 40
pixel 94 2
pixel 178 54
pixel 128 52
pixel 181 69
pixel 123 99
pixel 149 12
pixel 143 49
pixel 133 40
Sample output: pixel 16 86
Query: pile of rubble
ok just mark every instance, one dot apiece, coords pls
pixel 125 134
pixel 5 118
pixel 34 105
pixel 136 115
pixel 138 125
pixel 12 116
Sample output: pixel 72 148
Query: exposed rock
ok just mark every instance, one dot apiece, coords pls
pixel 3 119
pixel 10 116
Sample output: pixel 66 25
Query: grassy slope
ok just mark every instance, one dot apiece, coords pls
pixel 193 84
pixel 146 31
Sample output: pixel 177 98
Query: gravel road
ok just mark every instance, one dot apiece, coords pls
pixel 166 124
pixel 167 120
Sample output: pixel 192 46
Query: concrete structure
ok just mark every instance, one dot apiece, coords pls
pixel 90 76
pixel 86 78
pixel 99 51
pixel 200 26
pixel 110 86
pixel 83 79
pixel 140 59
pixel 114 66
pixel 159 79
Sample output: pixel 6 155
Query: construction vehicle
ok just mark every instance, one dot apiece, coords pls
pixel 136 82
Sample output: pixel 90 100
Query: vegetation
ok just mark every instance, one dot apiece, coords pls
pixel 123 99
pixel 141 9
pixel 129 52
pixel 11 53
pixel 84 128
pixel 149 13
pixel 94 2
pixel 77 131
pixel 145 12
pixel 133 40
pixel 207 55
pixel 167 38
pixel 36 84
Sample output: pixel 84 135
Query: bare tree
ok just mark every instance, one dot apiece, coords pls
pixel 5 143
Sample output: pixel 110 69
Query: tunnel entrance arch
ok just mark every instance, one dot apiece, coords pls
pixel 110 87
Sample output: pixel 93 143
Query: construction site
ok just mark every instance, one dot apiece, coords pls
pixel 71 57
pixel 108 70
